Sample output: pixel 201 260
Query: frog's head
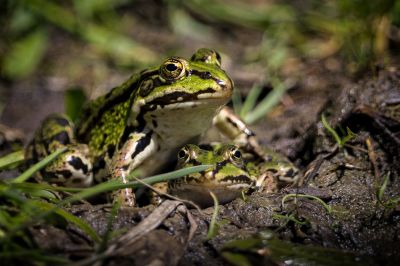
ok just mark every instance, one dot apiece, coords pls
pixel 226 178
pixel 179 82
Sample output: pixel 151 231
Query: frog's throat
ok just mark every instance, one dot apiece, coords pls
pixel 200 194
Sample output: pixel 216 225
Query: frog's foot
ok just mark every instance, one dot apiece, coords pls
pixel 71 169
pixel 125 197
pixel 156 192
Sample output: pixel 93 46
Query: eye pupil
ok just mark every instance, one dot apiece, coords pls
pixel 237 154
pixel 181 154
pixel 171 67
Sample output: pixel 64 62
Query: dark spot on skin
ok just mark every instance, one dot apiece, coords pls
pixel 142 144
pixel 154 123
pixel 53 176
pixel 77 163
pixel 98 165
pixel 110 150
pixel 128 130
pixel 274 171
pixel 61 121
pixel 62 137
pixel 220 165
pixel 206 147
pixel 248 132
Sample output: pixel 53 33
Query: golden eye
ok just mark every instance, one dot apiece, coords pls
pixel 207 56
pixel 174 68
pixel 236 156
pixel 184 155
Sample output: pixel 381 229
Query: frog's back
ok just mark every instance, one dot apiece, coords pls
pixel 103 120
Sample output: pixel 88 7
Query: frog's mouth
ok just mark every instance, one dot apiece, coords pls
pixel 200 193
pixel 178 99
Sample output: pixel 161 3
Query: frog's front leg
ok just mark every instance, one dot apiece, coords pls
pixel 138 147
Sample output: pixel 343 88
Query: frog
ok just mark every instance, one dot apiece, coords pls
pixel 234 172
pixel 140 124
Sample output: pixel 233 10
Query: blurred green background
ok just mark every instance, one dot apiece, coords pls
pixel 50 46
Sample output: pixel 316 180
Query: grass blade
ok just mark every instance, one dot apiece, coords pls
pixel 33 169
pixel 213 229
pixel 267 103
pixel 251 100
pixel 116 184
pixel 70 218
pixel 11 158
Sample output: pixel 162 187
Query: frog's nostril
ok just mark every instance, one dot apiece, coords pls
pixel 206 75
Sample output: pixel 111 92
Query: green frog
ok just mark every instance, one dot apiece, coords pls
pixel 234 171
pixel 138 125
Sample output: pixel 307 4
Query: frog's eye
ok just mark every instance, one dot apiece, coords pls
pixel 236 155
pixel 184 155
pixel 174 68
pixel 207 56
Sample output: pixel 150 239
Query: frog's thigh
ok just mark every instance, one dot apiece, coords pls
pixel 138 147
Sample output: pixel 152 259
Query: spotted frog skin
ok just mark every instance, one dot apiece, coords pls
pixel 139 125
pixel 233 172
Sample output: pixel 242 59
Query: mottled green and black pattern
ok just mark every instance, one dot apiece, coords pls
pixel 233 169
pixel 139 124
pixel 227 164
pixel 70 168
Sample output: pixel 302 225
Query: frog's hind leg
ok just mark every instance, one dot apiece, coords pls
pixel 231 126
pixel 73 167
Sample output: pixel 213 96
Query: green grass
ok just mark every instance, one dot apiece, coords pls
pixel 214 226
pixel 25 204
pixel 341 141
pixel 390 203
pixel 288 196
